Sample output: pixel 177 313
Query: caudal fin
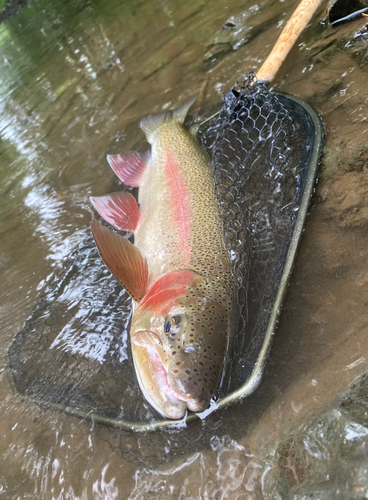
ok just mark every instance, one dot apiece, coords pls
pixel 151 123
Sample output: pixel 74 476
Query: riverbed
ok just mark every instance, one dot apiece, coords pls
pixel 75 81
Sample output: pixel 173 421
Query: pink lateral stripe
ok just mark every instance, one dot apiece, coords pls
pixel 166 290
pixel 118 209
pixel 179 198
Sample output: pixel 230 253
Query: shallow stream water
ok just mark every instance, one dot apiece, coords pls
pixel 75 79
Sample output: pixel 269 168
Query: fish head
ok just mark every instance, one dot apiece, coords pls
pixel 179 339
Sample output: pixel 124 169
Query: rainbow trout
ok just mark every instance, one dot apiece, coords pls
pixel 178 272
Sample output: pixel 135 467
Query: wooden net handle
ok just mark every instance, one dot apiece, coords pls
pixel 296 24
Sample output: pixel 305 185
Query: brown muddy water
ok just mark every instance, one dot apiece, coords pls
pixel 75 79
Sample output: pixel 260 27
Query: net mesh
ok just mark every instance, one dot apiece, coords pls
pixel 74 349
pixel 260 150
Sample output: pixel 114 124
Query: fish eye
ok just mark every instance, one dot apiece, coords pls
pixel 174 324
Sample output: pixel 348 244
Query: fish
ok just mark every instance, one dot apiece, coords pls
pixel 178 271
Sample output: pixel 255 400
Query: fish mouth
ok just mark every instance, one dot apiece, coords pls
pixel 168 402
pixel 177 404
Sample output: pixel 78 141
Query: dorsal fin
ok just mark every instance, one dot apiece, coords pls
pixel 123 259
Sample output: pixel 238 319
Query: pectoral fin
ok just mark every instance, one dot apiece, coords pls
pixel 129 167
pixel 118 209
pixel 123 259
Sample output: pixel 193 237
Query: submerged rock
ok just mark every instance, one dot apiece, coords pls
pixel 12 7
pixel 326 458
pixel 236 32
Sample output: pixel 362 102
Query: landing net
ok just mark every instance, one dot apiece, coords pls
pixel 73 353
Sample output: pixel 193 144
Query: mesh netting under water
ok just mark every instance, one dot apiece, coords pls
pixel 261 145
pixel 74 354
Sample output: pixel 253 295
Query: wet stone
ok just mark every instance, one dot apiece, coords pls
pixel 355 44
pixel 235 33
pixel 325 458
pixel 355 403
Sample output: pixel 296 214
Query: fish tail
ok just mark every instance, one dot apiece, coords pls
pixel 151 123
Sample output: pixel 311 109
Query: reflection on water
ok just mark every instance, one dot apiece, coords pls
pixel 75 80
pixel 228 471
